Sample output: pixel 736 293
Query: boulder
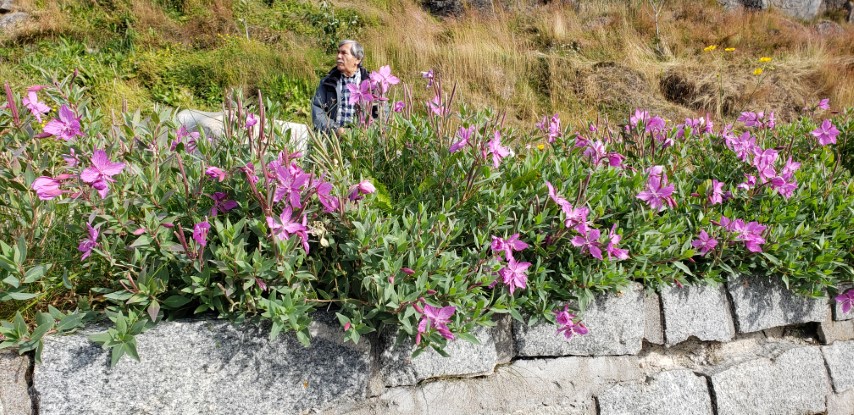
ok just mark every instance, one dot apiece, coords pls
pixel 399 368
pixel 761 303
pixel 206 366
pixel 674 392
pixel 795 383
pixel 701 311
pixel 616 323
pixel 14 390
pixel 212 125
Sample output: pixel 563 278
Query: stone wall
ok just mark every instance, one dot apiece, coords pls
pixel 746 347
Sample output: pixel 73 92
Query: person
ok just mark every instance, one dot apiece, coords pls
pixel 331 110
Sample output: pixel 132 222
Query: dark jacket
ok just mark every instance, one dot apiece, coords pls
pixel 324 105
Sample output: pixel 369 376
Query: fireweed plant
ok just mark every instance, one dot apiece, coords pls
pixel 428 220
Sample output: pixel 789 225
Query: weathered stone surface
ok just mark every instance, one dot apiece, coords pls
pixel 675 392
pixel 653 329
pixel 831 330
pixel 840 364
pixel 838 315
pixel 840 403
pixel 563 386
pixel 9 20
pixel 764 302
pixel 616 324
pixel 801 9
pixel 465 359
pixel 699 310
pixel 212 124
pixel 7 6
pixel 793 383
pixel 206 367
pixel 14 391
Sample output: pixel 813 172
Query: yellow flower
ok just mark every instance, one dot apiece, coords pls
pixel 710 48
pixel 757 71
pixel 541 146
pixel 764 59
pixel 729 50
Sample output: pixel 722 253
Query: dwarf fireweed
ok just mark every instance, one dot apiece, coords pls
pixel 430 221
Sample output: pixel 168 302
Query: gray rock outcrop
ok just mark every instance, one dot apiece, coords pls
pixel 209 367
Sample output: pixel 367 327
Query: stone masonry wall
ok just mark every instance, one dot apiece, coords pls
pixel 745 347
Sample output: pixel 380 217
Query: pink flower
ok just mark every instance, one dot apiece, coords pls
pixel 200 232
pixel 514 274
pixel 752 119
pixel 291 181
pixel 87 245
pixel 658 193
pixel 32 103
pixel 360 93
pixel 66 127
pixel 513 243
pixel 221 203
pixel 215 173
pixel 251 120
pixel 324 194
pixel 285 226
pixel 429 77
pixel 437 318
pixel 464 134
pixel 384 78
pixel 362 188
pixel 654 125
pixel 764 161
pixel 47 188
pixel 436 106
pixel 589 242
pixel 498 151
pixel 748 184
pixel 192 138
pixel 71 159
pixel 638 117
pixel 576 218
pixel 595 151
pixel 100 175
pixel 566 324
pixel 846 300
pixel 551 127
pixel 616 160
pixel 826 133
pixel 704 243
pixel 249 169
pixel 612 250
pixel 717 193
pixel 824 104
pixel 398 106
pixel 563 203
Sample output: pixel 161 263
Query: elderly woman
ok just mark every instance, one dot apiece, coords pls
pixel 331 110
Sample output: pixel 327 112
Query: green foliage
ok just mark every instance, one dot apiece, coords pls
pixel 425 232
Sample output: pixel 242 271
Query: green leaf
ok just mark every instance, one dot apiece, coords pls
pixel 20 296
pixel 35 273
pixel 683 267
pixel 468 337
pixel 174 302
pixel 153 310
pixel 143 240
pixel 117 353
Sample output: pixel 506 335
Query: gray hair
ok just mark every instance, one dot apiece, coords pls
pixel 356 50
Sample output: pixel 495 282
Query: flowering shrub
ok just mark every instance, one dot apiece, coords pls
pixel 426 219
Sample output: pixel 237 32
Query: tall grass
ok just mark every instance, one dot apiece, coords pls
pixel 592 59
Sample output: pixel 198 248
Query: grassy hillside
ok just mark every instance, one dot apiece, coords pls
pixel 599 59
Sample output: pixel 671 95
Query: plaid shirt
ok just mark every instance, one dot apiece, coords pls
pixel 346 110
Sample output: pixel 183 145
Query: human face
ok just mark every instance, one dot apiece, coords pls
pixel 346 62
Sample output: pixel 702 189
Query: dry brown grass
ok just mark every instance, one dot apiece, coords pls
pixel 531 59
